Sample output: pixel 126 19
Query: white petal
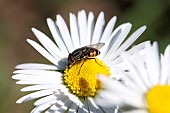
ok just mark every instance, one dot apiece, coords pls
pixel 34 95
pixel 108 30
pixel 90 27
pixel 116 33
pixel 165 72
pixel 59 105
pixel 74 31
pixel 137 111
pixel 129 41
pixel 117 109
pixel 43 52
pixel 36 66
pixel 98 28
pixel 42 81
pixel 66 106
pixel 121 37
pixel 73 108
pixel 135 74
pixel 139 65
pixel 108 110
pixel 116 62
pixel 84 108
pixel 93 109
pixel 45 100
pixel 92 102
pixel 65 33
pixel 82 22
pixel 153 63
pixel 36 87
pixel 80 110
pixel 52 109
pixel 139 48
pixel 39 80
pixel 57 36
pixel 48 44
pixel 41 108
pixel 35 78
pixel 38 72
pixel 119 74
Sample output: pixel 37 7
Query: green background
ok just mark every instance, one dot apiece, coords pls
pixel 18 16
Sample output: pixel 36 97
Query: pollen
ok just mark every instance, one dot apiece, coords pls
pixel 158 99
pixel 81 79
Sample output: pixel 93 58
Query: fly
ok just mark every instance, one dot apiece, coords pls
pixel 83 53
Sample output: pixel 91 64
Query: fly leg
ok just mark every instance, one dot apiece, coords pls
pixel 70 65
pixel 81 66
pixel 95 61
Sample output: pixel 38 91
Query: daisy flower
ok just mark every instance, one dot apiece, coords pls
pixel 63 87
pixel 147 88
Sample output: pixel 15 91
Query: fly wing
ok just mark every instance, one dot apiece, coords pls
pixel 97 46
pixel 77 54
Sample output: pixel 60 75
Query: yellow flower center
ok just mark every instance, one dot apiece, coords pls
pixel 158 99
pixel 80 78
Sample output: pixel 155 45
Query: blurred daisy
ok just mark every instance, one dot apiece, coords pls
pixel 61 88
pixel 148 83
